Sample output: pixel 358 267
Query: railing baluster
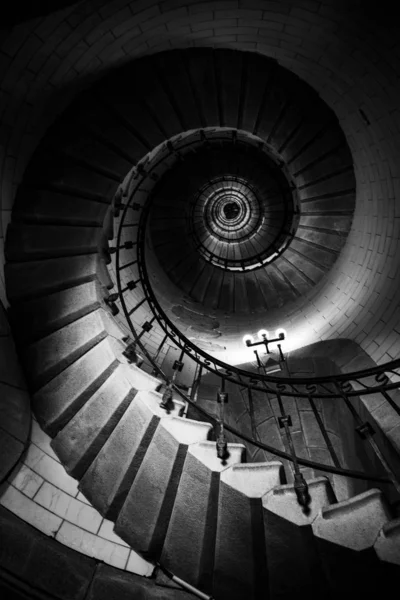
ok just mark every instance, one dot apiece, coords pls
pixel 196 382
pixel 251 411
pixel 157 354
pixel 300 484
pixel 167 395
pixel 222 444
pixel 130 351
pixel 324 432
pixel 258 381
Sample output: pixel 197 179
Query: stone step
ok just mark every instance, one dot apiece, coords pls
pixel 111 474
pixel 56 208
pixel 353 523
pixel 195 513
pixel 80 145
pixel 64 174
pixel 60 399
pixel 142 380
pixel 34 319
pixel 34 279
pixel 104 123
pixel 240 569
pixel 86 433
pixel 387 545
pixel 32 242
pixel 282 501
pixel 49 356
pixel 293 558
pixel 144 518
pixel 172 68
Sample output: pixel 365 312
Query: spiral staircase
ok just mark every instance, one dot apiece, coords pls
pixel 230 529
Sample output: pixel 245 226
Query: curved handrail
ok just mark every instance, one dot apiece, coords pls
pixel 313 387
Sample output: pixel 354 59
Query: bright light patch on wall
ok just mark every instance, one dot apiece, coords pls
pixel 296 337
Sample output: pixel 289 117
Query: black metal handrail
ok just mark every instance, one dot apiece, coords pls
pixel 284 385
pixel 310 388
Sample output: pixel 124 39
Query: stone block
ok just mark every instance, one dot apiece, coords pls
pixel 71 509
pixel 311 429
pixel 87 543
pixel 30 512
pixel 270 433
pixel 50 469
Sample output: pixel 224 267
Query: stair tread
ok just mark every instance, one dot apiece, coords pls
pixel 52 354
pixel 387 545
pixel 282 501
pixel 253 479
pixel 42 316
pixel 92 425
pixel 186 431
pixel 354 523
pixel 59 399
pixel 206 453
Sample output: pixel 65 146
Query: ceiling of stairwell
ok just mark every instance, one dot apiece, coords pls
pixel 337 48
pixel 249 220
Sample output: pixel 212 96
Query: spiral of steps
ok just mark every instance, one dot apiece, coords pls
pixel 231 530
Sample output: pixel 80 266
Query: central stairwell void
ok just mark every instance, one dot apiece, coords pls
pixel 127 283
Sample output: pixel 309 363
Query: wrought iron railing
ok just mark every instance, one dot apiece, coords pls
pixel 380 380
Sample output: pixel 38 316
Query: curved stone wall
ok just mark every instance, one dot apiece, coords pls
pixel 337 48
pixel 15 409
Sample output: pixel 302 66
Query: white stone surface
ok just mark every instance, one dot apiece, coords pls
pixel 29 511
pixel 387 546
pixel 186 431
pixel 68 508
pixel 354 523
pixel 139 379
pixel 206 453
pixel 82 498
pixel 50 469
pixel 253 479
pixel 106 531
pixel 152 401
pixel 26 480
pixel 282 501
pixel 41 439
pixel 137 564
pixel 92 545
